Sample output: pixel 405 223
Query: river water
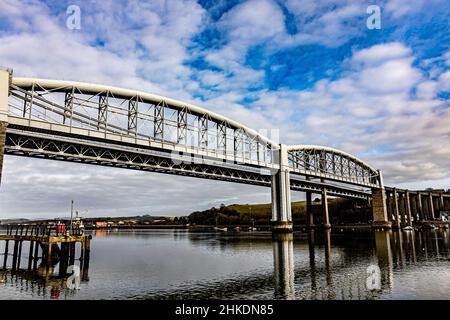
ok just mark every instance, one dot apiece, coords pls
pixel 181 264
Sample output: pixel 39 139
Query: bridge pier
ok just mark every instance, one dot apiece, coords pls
pixel 281 195
pixel 396 209
pixel 325 215
pixel 430 206
pixel 419 206
pixel 408 208
pixel 309 213
pixel 379 210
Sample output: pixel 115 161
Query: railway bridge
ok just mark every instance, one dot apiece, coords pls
pixel 117 127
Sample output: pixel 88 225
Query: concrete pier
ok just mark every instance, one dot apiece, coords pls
pixel 408 209
pixel 281 195
pixel 430 205
pixel 396 210
pixel 309 213
pixel 325 215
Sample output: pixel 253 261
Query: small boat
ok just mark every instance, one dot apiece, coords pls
pixel 408 228
pixel 220 229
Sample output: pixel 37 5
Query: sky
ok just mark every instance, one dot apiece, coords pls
pixel 313 70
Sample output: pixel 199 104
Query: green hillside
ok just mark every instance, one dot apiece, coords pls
pixel 341 210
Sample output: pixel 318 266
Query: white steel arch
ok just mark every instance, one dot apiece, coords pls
pixel 332 163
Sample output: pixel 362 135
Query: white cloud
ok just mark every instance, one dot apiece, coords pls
pixel 381 53
pixel 382 98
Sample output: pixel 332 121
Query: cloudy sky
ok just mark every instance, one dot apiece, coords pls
pixel 311 69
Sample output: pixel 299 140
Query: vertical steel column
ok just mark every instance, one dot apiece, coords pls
pixel 28 103
pixel 132 115
pixel 203 131
pixel 182 126
pixel 68 106
pixel 238 141
pixel 158 128
pixel 102 112
pixel 222 137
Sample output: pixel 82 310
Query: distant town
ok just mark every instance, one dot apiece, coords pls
pixel 342 212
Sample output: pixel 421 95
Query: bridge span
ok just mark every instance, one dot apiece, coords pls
pixel 109 126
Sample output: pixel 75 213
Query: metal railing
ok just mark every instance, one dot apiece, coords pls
pixel 40 230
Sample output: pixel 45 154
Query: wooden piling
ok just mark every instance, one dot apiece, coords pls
pixel 36 258
pixel 15 255
pixel 30 255
pixel 19 254
pixel 5 258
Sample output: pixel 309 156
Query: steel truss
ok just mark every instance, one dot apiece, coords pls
pixel 223 148
pixel 21 142
pixel 332 164
pixel 135 116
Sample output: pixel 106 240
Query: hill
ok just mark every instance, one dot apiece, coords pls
pixel 340 210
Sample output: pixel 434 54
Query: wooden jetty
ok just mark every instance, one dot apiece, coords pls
pixel 54 245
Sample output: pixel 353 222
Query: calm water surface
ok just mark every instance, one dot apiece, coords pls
pixel 178 264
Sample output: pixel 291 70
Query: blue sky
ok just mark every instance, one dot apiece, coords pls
pixel 310 69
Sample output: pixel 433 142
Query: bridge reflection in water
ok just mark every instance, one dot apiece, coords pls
pixel 394 250
pixel 313 265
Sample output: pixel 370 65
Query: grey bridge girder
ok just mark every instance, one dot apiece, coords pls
pixel 22 142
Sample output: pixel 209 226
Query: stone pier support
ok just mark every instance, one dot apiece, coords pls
pixel 281 195
pixel 396 210
pixel 379 210
pixel 325 215
pixel 389 206
pixel 431 206
pixel 441 202
pixel 401 209
pixel 309 213
pixel 413 204
pixel 420 207
pixel 408 208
